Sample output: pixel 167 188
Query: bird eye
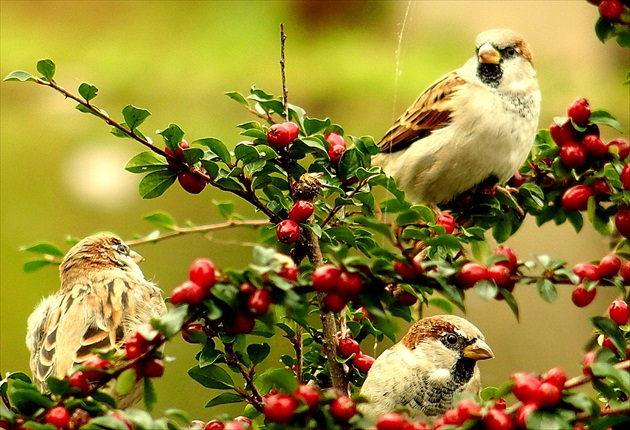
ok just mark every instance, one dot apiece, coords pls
pixel 123 249
pixel 450 339
pixel 510 52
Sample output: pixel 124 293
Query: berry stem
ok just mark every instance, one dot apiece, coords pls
pixel 256 399
pixel 285 91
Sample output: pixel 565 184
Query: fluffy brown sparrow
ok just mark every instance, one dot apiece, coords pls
pixel 435 360
pixel 102 299
pixel 474 124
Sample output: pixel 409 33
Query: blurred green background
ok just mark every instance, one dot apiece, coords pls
pixel 62 172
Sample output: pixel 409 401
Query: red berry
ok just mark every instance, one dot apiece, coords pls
pixel 363 362
pixel 586 271
pixel 447 221
pixel 507 252
pixel 609 266
pixel 240 323
pixel 497 420
pixel 501 276
pixel 562 134
pixel 343 408
pixel 293 128
pixel 191 183
pixel 468 409
pixel 288 231
pixel 96 368
pixel 80 381
pixel 58 417
pixel 601 186
pixel 572 155
pixel 576 198
pixel 517 180
pixel 594 146
pixel 289 272
pixel 581 297
pixel 579 111
pixel 526 387
pixel 622 221
pixel 620 147
pixel 153 368
pixel 618 311
pixel 588 359
pixel 549 395
pixel 406 271
pixel 391 421
pixel 335 139
pixel 279 408
pixel 135 346
pixel 607 343
pixel 335 153
pixel 523 412
pixel 189 292
pixel 334 302
pixel 177 155
pixel 233 425
pixel 325 278
pixel 470 274
pixel 349 284
pixel 557 377
pixel 310 395
pixel 258 302
pixel 405 298
pixel 348 346
pixel 301 211
pixel 611 9
pixel 625 176
pixel 202 272
pixel 193 333
pixel 244 420
pixel 451 416
pixel 278 136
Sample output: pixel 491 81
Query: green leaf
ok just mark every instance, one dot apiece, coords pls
pixel 87 91
pixel 172 136
pixel 134 116
pixel 34 265
pixel 47 69
pixel 162 219
pixel 276 378
pixel 19 75
pixel 373 224
pixel 342 234
pixel 313 125
pixel 602 117
pixel 171 322
pixel 149 394
pixel 441 304
pixel 224 398
pixel 226 209
pixel 612 331
pixel 211 376
pixel 146 161
pixel 547 290
pixel 126 381
pixel 46 248
pixel 28 401
pixel 229 184
pixel 108 422
pixel 487 393
pixel 604 29
pixel 556 419
pixel 239 98
pixel 58 386
pixel 192 155
pixel 502 229
pixel 486 289
pixel 217 147
pixel 258 352
pixel 156 183
pixel 511 301
pixel 209 354
pixel 583 402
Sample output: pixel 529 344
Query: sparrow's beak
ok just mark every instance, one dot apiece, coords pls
pixel 135 256
pixel 487 54
pixel 478 351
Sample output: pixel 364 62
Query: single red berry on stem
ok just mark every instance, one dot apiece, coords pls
pixel 335 139
pixel 391 421
pixel 576 198
pixel 501 276
pixel 193 333
pixel 288 231
pixel 572 155
pixel 611 9
pixel 203 272
pixel 343 408
pixel 625 272
pixel 526 387
pixel 325 278
pixel 279 408
pixel 622 221
pixel 278 136
pixel 557 377
pixel 607 343
pixel 620 146
pixel 470 274
pixel 549 395
pixel 335 153
pixel 350 284
pixel 624 176
pixel 580 111
pixel 289 272
pixel 258 302
pixel 310 395
pixel 294 130
pixel 506 251
pixel 80 381
pixel 618 311
pixel 587 361
pixel 240 323
pixel 602 187
pixel 587 271
pixel 153 368
pixel 496 419
pixel 96 368
pixel 191 183
pixel 523 412
pixel 58 417
pixel 135 346
pixel 562 134
pixel 581 297
pixel 447 221
pixel 609 266
pixel 363 362
pixel 301 211
pixel 468 409
pixel 405 298
pixel 406 271
pixel 334 302
pixel 189 292
pixel 347 347
pixel 594 146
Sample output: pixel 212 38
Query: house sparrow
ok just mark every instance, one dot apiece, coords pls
pixel 435 360
pixel 102 299
pixel 474 124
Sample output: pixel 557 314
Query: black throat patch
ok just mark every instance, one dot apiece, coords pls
pixel 490 74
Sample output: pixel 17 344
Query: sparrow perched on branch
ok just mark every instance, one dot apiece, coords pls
pixel 474 124
pixel 435 360
pixel 102 299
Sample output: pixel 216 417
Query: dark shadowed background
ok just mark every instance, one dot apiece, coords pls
pixel 62 172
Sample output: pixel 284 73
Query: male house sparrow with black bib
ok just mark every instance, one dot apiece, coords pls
pixel 474 124
pixel 435 360
pixel 102 299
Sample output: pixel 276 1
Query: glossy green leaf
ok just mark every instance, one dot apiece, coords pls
pixel 146 161
pixel 87 91
pixel 171 322
pixel 149 395
pixel 126 381
pixel 547 290
pixel 58 386
pixel 212 376
pixel 156 183
pixel 19 75
pixel 46 248
pixel 216 147
pixel 134 116
pixel 313 125
pixel 276 378
pixel 209 354
pixel 172 136
pixel 609 328
pixel 47 69
pixel 238 97
pixel 162 219
pixel 258 352
pixel 602 117
pixel 224 398
pixel 486 289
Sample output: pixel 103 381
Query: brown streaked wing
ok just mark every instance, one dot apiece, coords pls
pixel 428 113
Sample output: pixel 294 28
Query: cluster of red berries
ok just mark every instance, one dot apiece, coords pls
pixel 288 230
pixel 500 272
pixel 137 347
pixel 238 423
pixel 190 182
pixel 282 408
pixel 350 348
pixel 281 135
pixel 591 274
pixel 612 10
pixel 201 278
pixel 340 286
pixel 337 147
pixel 537 392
